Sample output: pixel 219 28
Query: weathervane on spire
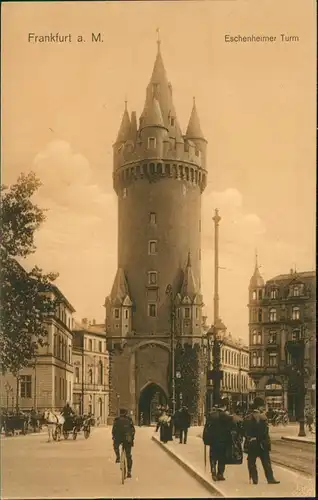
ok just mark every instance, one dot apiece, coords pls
pixel 126 103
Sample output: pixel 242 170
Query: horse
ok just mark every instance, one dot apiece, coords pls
pixel 54 424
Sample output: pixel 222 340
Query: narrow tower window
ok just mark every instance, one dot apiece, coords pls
pixel 152 310
pixel 153 218
pixel 116 313
pixel 152 278
pixel 152 247
pixel 152 143
pixel 172 122
pixel 187 312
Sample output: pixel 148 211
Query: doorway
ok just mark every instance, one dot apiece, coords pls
pixel 150 397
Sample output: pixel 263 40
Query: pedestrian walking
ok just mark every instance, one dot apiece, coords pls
pixel 257 442
pixel 158 415
pixel 123 433
pixel 165 427
pixel 184 422
pixel 218 436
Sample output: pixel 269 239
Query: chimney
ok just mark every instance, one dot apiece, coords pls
pixel 94 321
pixel 85 321
pixel 291 271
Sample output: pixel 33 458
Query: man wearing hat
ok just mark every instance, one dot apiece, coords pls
pixel 216 435
pixel 123 432
pixel 257 442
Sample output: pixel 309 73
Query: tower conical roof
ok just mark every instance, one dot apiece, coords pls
pixel 153 116
pixel 194 128
pixel 256 280
pixel 120 286
pixel 189 288
pixel 160 88
pixel 124 129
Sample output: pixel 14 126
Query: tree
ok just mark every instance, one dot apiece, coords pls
pixel 26 300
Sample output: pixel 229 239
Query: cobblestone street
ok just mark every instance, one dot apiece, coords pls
pixel 31 467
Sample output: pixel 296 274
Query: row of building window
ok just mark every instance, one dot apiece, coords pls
pixel 61 349
pixel 233 358
pixel 257 359
pixel 152 312
pixel 272 337
pixel 257 315
pixel 67 320
pixel 62 392
pixel 90 380
pixel 97 344
pixel 231 381
pixel 294 291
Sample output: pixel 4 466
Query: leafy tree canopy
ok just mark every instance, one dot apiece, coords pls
pixel 25 298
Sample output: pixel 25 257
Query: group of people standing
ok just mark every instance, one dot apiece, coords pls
pixel 173 424
pixel 224 434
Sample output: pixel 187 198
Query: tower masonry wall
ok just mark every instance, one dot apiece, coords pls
pixel 176 205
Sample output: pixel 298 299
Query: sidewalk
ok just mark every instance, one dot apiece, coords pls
pixel 191 457
pixel 291 434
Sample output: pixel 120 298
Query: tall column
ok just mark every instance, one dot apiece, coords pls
pixel 216 220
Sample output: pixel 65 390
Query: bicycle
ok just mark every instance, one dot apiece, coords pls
pixel 123 464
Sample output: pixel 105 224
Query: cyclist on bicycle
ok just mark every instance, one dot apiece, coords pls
pixel 123 432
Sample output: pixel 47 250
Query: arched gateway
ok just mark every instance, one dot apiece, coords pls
pixel 150 397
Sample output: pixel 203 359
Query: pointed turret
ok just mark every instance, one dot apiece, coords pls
pixel 256 280
pixel 133 126
pixel 189 288
pixel 120 287
pixel 124 129
pixel 160 88
pixel 153 116
pixel 194 128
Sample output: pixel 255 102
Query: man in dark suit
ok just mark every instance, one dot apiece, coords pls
pixel 184 422
pixel 217 435
pixel 257 442
pixel 123 432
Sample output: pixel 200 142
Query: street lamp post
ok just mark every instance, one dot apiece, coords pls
pixel 172 342
pixel 217 373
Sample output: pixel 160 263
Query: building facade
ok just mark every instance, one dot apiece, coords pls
pixel 90 361
pixel 282 327
pixel 49 383
pixel 236 385
pixel 159 175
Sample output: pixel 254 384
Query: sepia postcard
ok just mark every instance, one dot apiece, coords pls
pixel 158 249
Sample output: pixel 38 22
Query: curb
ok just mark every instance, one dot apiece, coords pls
pixel 189 468
pixel 298 440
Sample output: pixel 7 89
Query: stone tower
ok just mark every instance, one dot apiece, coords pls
pixel 158 175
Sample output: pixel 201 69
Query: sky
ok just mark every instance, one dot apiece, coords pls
pixel 62 106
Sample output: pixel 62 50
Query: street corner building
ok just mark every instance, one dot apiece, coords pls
pixel 282 329
pixel 159 175
pixel 48 381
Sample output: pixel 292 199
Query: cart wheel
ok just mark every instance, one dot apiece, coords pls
pixel 87 433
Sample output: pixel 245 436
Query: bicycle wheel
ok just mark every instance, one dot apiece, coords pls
pixel 123 465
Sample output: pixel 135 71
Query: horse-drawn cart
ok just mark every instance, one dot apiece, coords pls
pixel 83 423
pixel 15 423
